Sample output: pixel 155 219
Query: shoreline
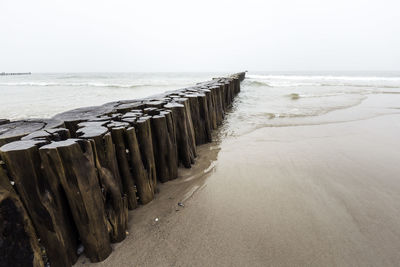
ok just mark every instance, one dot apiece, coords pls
pixel 302 195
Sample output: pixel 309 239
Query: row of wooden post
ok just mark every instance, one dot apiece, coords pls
pixel 74 185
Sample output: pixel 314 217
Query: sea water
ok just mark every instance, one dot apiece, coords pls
pixel 267 99
pixel 42 95
pixel 296 99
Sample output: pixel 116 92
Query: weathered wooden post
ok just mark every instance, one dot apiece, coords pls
pixel 145 139
pixel 4 121
pixel 121 149
pixel 42 201
pixel 19 244
pixel 141 176
pixel 136 159
pixel 186 152
pixel 165 153
pixel 15 130
pixel 74 164
pixel 115 202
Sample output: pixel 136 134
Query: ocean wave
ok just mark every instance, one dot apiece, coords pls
pixel 317 84
pixel 361 85
pixel 256 83
pixel 86 84
pixel 304 111
pixel 389 93
pixel 245 131
pixel 292 84
pixel 322 77
pixel 296 95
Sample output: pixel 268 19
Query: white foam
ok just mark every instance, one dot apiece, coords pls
pixel 322 77
pixel 91 84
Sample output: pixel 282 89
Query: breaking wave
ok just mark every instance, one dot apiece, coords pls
pixel 86 84
pixel 326 78
pixel 299 84
pixel 256 83
pixel 323 81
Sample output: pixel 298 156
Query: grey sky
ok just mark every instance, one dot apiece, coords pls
pixel 93 35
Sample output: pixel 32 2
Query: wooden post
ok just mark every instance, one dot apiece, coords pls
pixel 184 143
pixel 144 136
pixel 212 115
pixel 190 127
pixel 221 102
pixel 121 149
pixel 199 113
pixel 19 244
pixel 4 121
pixel 56 134
pixel 205 117
pixel 216 106
pixel 115 202
pixel 164 144
pixel 171 132
pixel 15 130
pixel 140 175
pixel 42 202
pixel 74 164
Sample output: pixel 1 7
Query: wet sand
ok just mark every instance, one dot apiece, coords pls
pixel 318 195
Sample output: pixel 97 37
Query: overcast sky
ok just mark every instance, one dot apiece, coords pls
pixel 172 35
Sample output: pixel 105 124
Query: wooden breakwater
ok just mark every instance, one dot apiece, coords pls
pixel 71 180
pixel 4 121
pixel 14 73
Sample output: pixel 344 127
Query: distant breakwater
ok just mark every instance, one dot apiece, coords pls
pixel 14 73
pixel 71 180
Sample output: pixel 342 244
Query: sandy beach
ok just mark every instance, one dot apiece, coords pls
pixel 312 195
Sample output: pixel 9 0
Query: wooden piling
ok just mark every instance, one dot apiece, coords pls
pixel 140 175
pixel 19 244
pixel 121 149
pixel 165 153
pixel 186 153
pixel 115 201
pixel 74 164
pixel 41 200
pixel 144 136
pixel 4 121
